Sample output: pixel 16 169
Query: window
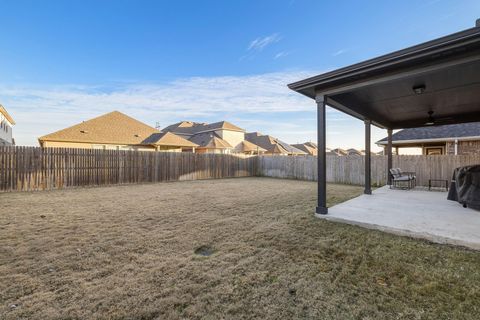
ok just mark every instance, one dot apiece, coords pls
pixel 433 151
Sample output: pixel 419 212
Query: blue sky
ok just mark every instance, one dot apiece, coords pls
pixel 62 62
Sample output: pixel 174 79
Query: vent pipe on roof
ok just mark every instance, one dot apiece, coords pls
pixel 477 23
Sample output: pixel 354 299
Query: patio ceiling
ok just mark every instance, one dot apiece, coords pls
pixel 445 71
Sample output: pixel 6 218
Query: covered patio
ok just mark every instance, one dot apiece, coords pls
pixel 417 213
pixel 434 83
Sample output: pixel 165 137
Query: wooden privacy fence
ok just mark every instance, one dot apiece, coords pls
pixel 33 168
pixel 351 169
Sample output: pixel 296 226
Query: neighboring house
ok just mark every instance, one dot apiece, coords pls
pixel 116 131
pixel 247 147
pixel 348 152
pixel 210 142
pixel 6 124
pixel 340 152
pixel 461 139
pixel 354 152
pixel 272 145
pixel 218 137
pixel 330 152
pixel 307 147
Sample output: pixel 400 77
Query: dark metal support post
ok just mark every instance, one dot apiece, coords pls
pixel 368 158
pixel 321 156
pixel 389 156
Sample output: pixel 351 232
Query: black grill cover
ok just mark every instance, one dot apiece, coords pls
pixel 465 186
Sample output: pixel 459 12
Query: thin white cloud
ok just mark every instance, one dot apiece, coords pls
pixel 339 52
pixel 39 110
pixel 281 55
pixel 256 102
pixel 262 42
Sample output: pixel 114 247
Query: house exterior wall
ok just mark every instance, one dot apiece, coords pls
pixel 79 145
pixel 169 149
pixel 450 147
pixel 212 150
pixel 232 137
pixel 464 147
pixel 6 135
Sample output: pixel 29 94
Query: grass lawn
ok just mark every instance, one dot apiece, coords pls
pixel 135 252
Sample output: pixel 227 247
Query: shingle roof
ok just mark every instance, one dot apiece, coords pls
pixel 354 152
pixel 311 144
pixel 271 144
pixel 186 127
pixel 6 115
pixel 114 127
pixel 189 127
pixel 278 149
pixel 247 146
pixel 437 132
pixel 340 151
pixel 223 125
pixel 167 139
pixel 306 147
pixel 210 140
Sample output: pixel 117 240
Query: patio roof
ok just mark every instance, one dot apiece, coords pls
pixel 397 90
pixel 434 83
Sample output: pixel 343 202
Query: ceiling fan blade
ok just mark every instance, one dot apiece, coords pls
pixel 445 120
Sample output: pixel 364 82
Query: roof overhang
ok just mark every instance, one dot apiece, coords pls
pixel 381 89
pixel 423 141
pixel 6 115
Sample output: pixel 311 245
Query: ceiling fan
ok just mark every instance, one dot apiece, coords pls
pixel 430 120
pixel 436 121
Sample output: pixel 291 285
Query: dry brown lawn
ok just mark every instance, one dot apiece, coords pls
pixel 129 252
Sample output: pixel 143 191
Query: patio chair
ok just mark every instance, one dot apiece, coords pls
pixel 402 179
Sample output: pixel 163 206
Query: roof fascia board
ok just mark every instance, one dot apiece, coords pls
pixel 472 138
pixel 7 116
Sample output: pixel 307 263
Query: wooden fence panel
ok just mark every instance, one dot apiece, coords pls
pixel 351 169
pixel 33 168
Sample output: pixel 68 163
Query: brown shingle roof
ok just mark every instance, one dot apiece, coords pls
pixel 185 127
pixel 223 125
pixel 210 140
pixel 114 128
pixel 271 144
pixel 6 115
pixel 167 139
pixel 247 146
pixel 190 128
pixel 305 147
pixel 311 144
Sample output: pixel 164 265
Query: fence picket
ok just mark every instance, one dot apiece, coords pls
pixel 351 169
pixel 33 168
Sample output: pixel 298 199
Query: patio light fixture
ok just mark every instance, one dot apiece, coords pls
pixel 419 89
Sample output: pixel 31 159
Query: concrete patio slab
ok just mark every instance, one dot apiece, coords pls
pixel 416 213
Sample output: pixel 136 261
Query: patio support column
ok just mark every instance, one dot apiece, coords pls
pixel 389 156
pixel 321 156
pixel 368 158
